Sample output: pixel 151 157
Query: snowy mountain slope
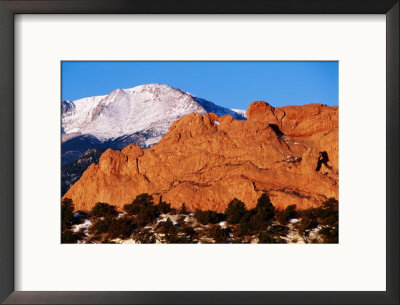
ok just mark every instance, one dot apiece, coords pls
pixel 141 115
pixel 241 112
pixel 126 111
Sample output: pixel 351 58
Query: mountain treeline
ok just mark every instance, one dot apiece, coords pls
pixel 145 221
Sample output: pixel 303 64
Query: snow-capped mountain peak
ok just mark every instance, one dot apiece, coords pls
pixel 127 111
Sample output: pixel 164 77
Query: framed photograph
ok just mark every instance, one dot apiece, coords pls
pixel 199 152
pixel 156 164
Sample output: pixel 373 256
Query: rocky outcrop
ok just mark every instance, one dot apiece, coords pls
pixel 296 121
pixel 205 161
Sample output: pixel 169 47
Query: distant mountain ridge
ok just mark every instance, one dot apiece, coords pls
pixel 126 111
pixel 140 115
pixel 71 172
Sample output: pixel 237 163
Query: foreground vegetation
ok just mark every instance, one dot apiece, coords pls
pixel 143 221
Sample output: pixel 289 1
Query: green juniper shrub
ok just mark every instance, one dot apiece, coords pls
pixel 291 211
pixel 169 227
pixel 329 212
pixel 330 235
pixel 184 209
pixel 172 235
pixel 67 209
pixel 148 238
pixel 102 225
pixel 144 199
pixel 206 217
pixel 309 220
pixel 145 237
pixel 189 232
pixel 221 217
pixel 147 215
pixel 328 215
pixel 166 227
pixel 264 208
pixel 265 238
pixel 181 220
pixel 102 209
pixel 283 216
pixel 120 228
pixel 130 209
pixel 163 207
pixel 67 220
pixel 331 220
pixel 68 217
pixel 243 228
pixel 257 222
pixel 219 234
pixel 331 203
pixel 262 214
pixel 113 227
pixel 69 237
pixel 235 210
pixel 144 209
pixel 141 201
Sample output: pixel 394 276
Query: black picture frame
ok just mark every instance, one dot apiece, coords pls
pixel 8 9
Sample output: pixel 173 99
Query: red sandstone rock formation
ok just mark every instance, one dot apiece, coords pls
pixel 206 161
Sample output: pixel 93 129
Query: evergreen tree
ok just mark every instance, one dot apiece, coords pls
pixel 102 209
pixel 67 208
pixel 184 209
pixel 163 207
pixel 285 215
pixel 69 237
pixel 262 214
pixel 139 203
pixel 206 217
pixel 235 210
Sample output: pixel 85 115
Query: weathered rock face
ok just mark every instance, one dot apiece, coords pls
pixel 205 161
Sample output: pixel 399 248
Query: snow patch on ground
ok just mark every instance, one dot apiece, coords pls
pixel 164 219
pixel 85 226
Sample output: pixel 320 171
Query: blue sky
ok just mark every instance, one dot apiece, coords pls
pixel 229 84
